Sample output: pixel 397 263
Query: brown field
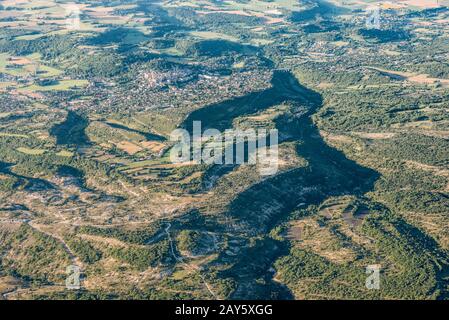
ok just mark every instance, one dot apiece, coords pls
pixel 413 77
pixel 295 232
pixel 423 125
pixel 129 147
pixel 336 138
pixel 375 135
pixel 153 146
pixel 421 3
pixel 325 85
pixel 20 61
pixel 108 241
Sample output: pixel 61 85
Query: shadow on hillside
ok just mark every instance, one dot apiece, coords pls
pixel 72 130
pixel 258 209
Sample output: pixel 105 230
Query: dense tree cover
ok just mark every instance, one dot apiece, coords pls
pixel 413 147
pixel 403 178
pixel 196 242
pixel 438 69
pixel 117 35
pixel 212 48
pixel 38 258
pixel 420 201
pixel 414 256
pixel 143 258
pixel 384 35
pixel 377 109
pixel 76 295
pixel 146 247
pixel 84 250
pixel 9 34
pixel 431 12
pixel 212 20
pixel 104 64
pixel 49 46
